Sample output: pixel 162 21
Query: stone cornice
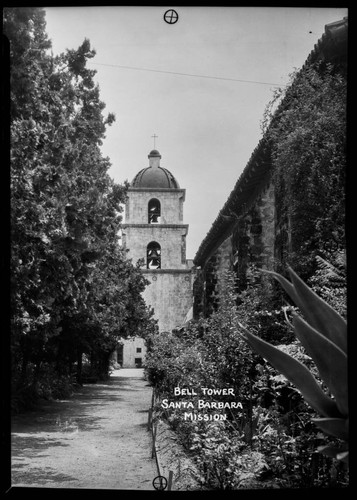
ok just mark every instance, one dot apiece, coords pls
pixel 158 190
pixel 157 226
pixel 163 190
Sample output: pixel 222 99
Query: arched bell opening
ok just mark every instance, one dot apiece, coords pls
pixel 154 211
pixel 153 255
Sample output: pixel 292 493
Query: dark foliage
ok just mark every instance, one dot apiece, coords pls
pixel 73 293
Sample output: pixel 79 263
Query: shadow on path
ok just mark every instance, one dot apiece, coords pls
pixel 96 439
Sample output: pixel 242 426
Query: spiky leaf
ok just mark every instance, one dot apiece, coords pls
pixel 330 360
pixel 296 373
pixel 316 311
pixel 334 452
pixel 320 314
pixel 288 287
pixel 337 427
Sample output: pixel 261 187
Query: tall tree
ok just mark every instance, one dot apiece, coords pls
pixel 65 208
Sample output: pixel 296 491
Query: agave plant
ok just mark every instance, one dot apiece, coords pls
pixel 323 333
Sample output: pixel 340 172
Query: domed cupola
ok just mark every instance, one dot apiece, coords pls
pixel 155 176
pixel 154 153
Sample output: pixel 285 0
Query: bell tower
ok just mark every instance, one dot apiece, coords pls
pixel 154 232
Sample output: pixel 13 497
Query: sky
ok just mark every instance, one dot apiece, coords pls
pixel 200 85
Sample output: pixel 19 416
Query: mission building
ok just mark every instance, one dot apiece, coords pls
pixel 154 231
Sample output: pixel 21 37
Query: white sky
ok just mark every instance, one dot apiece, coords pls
pixel 207 128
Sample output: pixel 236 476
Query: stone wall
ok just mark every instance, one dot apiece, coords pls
pixel 253 238
pixel 170 290
pixel 130 353
pixel 170 294
pixel 171 201
pixel 171 238
pixel 251 242
pixel 131 357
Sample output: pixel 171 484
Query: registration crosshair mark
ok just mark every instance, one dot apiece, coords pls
pixel 171 16
pixel 160 483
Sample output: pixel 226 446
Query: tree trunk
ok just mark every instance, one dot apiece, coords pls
pixel 79 367
pixel 25 360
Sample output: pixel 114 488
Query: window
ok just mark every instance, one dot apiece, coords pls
pixel 154 211
pixel 137 362
pixel 120 355
pixel 153 256
pixel 138 349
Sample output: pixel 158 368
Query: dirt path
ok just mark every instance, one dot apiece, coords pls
pixel 97 439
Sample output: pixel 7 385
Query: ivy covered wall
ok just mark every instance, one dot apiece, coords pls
pixel 288 206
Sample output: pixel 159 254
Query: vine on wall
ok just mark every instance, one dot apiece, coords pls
pixel 308 141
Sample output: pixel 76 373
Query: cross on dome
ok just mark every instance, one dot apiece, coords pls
pixel 154 137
